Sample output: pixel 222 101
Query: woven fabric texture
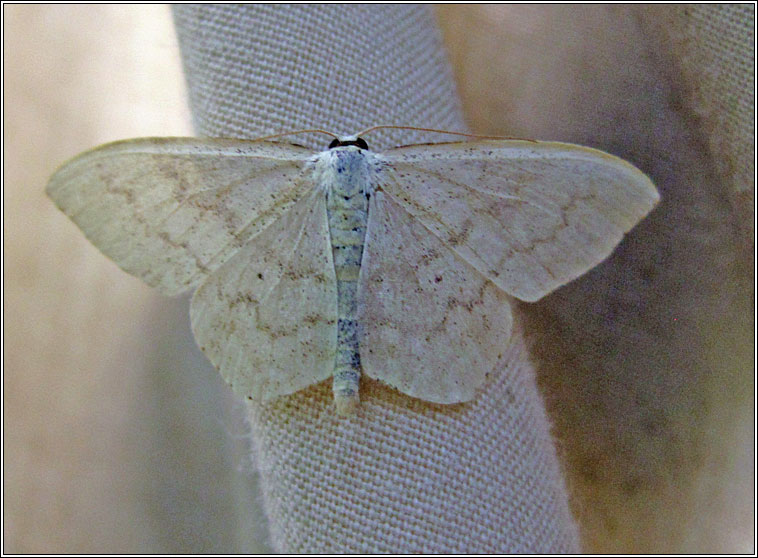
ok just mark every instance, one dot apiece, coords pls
pixel 402 475
pixel 647 361
pixel 714 48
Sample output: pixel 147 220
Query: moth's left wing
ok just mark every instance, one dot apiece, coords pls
pixel 431 325
pixel 172 210
pixel 530 216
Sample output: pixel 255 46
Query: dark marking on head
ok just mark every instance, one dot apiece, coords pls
pixel 358 142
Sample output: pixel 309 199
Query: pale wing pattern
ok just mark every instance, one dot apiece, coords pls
pixel 430 324
pixel 267 318
pixel 171 210
pixel 531 216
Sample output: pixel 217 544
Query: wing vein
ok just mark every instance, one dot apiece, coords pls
pixel 517 245
pixel 494 194
pixel 295 246
pixel 220 193
pixel 400 205
pixel 240 233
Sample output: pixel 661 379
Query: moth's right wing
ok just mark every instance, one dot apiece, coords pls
pixel 267 318
pixel 172 210
pixel 529 216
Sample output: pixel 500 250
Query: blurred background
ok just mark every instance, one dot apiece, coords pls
pixel 119 437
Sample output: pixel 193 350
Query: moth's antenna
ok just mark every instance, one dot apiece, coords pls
pixel 434 130
pixel 308 131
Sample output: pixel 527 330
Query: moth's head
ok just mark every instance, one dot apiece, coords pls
pixel 360 143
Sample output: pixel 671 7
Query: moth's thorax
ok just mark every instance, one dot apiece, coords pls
pixel 346 171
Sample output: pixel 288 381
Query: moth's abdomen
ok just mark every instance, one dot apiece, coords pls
pixel 347 212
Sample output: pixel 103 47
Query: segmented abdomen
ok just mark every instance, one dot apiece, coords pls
pixel 347 227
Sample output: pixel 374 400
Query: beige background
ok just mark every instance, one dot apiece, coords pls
pixel 111 445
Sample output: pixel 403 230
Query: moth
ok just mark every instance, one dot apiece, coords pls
pixel 398 265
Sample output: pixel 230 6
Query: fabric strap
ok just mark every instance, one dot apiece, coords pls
pixel 401 475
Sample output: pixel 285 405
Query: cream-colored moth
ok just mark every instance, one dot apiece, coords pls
pixel 398 265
